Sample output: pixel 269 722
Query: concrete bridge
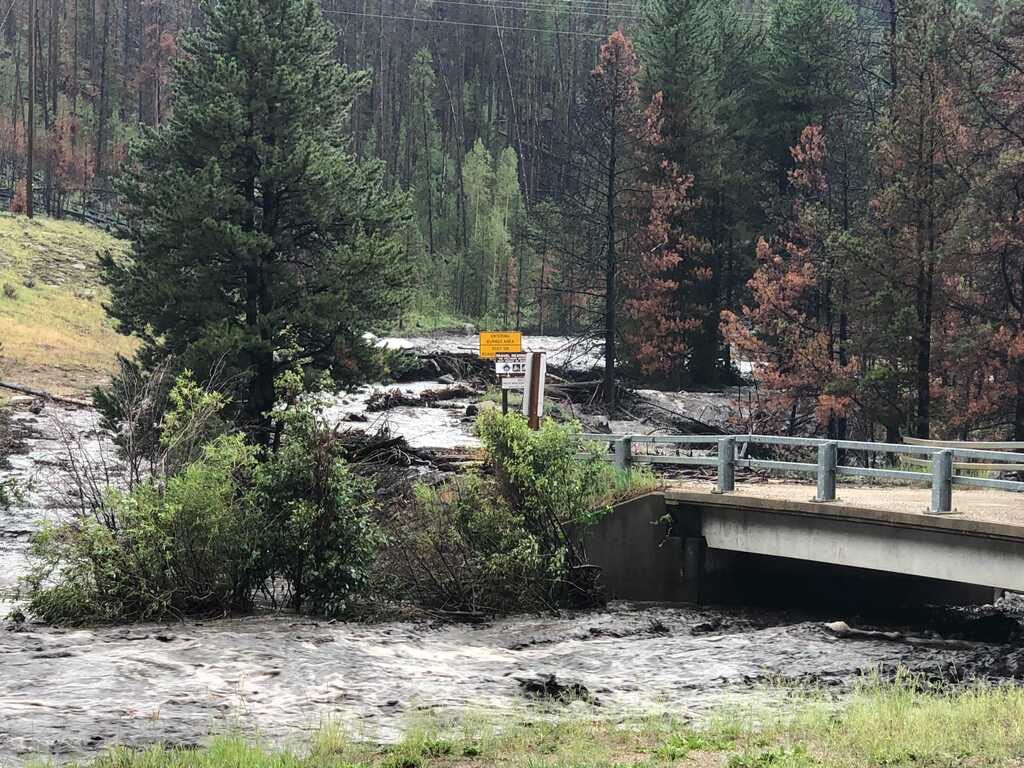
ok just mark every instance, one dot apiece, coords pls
pixel 697 542
pixel 691 545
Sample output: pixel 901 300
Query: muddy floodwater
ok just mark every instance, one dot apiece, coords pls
pixel 69 693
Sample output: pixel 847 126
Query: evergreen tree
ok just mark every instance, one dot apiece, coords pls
pixel 807 77
pixel 602 213
pixel 510 213
pixel 992 321
pixel 425 146
pixel 478 179
pixel 260 242
pixel 923 165
pixel 701 57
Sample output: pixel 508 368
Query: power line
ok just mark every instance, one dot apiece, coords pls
pixel 529 6
pixel 565 6
pixel 583 7
pixel 463 23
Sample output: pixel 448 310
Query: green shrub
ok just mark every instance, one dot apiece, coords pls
pixel 160 421
pixel 679 745
pixel 459 547
pixel 219 525
pixel 506 542
pixel 181 547
pixel 10 491
pixel 320 535
pixel 543 473
pixel 773 758
pixel 9 494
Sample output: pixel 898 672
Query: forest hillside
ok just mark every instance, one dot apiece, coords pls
pixel 825 193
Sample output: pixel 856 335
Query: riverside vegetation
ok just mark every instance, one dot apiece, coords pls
pixel 903 722
pixel 209 523
pixel 262 251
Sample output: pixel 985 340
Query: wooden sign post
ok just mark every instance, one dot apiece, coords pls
pixel 533 396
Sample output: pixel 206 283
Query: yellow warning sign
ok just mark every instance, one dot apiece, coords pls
pixel 493 342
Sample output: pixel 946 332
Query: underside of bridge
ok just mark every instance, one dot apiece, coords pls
pixel 699 547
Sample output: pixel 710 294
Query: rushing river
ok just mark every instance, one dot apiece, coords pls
pixel 66 693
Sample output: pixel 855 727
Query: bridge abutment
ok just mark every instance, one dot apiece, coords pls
pixel 749 551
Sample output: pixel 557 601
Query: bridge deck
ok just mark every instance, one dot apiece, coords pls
pixel 879 529
pixel 971 506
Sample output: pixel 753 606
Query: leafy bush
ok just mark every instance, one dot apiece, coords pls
pixel 506 542
pixel 459 547
pixel 160 420
pixel 320 537
pixel 217 526
pixel 180 547
pixel 544 474
pixel 9 494
pixel 776 757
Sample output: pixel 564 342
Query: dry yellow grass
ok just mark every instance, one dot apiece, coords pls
pixel 54 331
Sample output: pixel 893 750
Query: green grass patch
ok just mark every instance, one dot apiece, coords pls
pixel 419 320
pixel 904 723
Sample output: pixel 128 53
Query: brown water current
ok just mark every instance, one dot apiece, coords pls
pixel 68 693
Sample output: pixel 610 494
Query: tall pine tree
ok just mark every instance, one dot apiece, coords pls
pixel 259 240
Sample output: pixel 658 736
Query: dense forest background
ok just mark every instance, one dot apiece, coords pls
pixel 829 190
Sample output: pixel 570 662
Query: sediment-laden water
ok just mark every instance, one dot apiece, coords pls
pixel 65 693
pixel 69 693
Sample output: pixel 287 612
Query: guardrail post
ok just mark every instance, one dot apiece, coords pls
pixel 623 453
pixel 827 457
pixel 942 482
pixel 726 465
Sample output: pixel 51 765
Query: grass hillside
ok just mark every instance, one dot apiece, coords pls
pixel 53 329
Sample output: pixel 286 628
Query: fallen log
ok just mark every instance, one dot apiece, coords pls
pixel 45 395
pixel 429 398
pixel 844 631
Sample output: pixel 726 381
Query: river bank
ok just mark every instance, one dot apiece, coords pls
pixel 878 724
pixel 69 693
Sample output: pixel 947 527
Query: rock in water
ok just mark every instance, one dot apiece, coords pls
pixel 838 628
pixel 547 686
pixel 707 627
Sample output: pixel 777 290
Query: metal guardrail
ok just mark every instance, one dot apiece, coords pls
pixel 940 458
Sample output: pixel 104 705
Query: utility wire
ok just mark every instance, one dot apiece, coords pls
pixel 536 7
pixel 541 7
pixel 462 23
pixel 563 6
